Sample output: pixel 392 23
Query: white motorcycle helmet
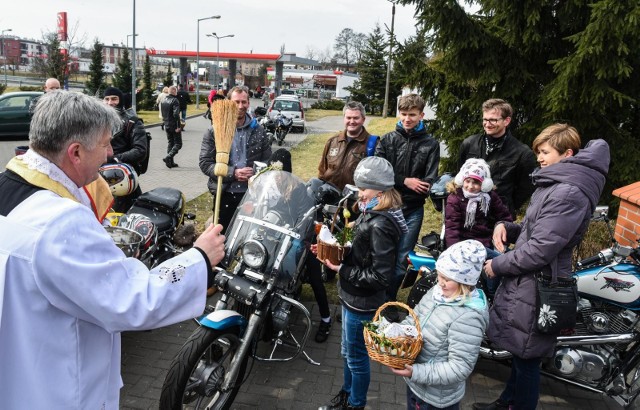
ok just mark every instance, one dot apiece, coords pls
pixel 122 178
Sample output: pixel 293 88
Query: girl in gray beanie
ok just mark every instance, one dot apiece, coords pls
pixel 366 272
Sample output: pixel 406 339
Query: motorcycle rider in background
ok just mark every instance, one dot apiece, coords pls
pixel 129 144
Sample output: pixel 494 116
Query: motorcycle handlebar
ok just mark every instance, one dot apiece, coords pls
pixel 590 261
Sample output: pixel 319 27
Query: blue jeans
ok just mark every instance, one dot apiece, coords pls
pixel 183 114
pixel 357 372
pixel 523 387
pixel 406 244
pixel 416 403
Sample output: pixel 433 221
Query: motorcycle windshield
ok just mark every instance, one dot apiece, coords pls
pixel 277 213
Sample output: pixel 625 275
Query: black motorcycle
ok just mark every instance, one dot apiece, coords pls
pixel 264 265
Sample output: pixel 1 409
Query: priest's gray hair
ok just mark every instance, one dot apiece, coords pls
pixel 63 117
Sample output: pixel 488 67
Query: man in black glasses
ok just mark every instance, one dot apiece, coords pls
pixel 511 161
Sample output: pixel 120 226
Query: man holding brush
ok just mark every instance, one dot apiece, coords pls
pixel 250 144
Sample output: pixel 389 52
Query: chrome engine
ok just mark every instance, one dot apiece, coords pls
pixel 590 362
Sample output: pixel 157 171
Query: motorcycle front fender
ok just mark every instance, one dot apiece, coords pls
pixel 222 319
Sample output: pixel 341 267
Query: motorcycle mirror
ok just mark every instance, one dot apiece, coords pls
pixel 601 212
pixel 350 191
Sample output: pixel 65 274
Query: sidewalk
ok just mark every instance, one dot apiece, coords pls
pixel 146 356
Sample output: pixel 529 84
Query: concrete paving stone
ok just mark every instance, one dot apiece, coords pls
pixel 136 403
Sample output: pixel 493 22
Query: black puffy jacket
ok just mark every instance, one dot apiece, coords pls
pixel 511 167
pixel 368 268
pixel 413 154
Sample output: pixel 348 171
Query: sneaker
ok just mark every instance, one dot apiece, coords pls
pixel 323 331
pixel 339 402
pixel 168 161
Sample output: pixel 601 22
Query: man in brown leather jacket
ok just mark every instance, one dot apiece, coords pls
pixel 343 151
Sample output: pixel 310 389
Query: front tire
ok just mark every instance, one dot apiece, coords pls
pixel 196 373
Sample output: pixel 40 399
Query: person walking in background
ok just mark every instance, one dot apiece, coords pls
pixel 171 118
pixel 415 156
pixel 343 151
pixel 250 144
pixel 185 99
pixel 569 183
pixel 473 209
pixel 129 144
pixel 365 273
pixel 63 275
pixel 511 162
pixel 453 316
pixel 159 100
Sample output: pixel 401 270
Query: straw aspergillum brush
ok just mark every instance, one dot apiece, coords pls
pixel 224 114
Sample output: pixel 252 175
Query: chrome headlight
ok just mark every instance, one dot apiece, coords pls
pixel 254 254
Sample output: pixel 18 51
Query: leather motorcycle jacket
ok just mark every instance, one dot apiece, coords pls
pixel 367 270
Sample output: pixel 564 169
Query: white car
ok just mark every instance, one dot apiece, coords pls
pixel 291 107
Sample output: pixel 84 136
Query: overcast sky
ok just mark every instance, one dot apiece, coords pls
pixel 259 26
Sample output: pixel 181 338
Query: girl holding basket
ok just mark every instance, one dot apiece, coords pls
pixel 453 316
pixel 366 272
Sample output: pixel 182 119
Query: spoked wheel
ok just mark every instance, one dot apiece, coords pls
pixel 195 378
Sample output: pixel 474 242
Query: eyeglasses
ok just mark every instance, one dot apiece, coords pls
pixel 492 121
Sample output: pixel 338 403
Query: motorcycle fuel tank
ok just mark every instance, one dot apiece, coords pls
pixel 619 284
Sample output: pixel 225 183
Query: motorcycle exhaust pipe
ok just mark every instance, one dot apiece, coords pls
pixel 595 339
pixel 565 341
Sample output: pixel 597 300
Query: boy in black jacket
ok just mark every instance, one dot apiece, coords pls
pixel 415 156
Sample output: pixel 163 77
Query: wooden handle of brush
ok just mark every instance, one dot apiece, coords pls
pixel 216 209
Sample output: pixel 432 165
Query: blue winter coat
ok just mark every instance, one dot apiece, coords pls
pixel 451 335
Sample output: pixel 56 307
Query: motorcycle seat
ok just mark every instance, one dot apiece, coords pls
pixel 164 206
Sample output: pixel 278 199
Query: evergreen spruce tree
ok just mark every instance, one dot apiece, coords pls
pixel 147 89
pixel 96 83
pixel 554 61
pixel 168 79
pixel 122 77
pixel 372 68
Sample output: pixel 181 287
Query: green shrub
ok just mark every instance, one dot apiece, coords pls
pixel 2 88
pixel 30 88
pixel 328 105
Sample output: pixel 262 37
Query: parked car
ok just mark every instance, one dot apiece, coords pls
pixel 291 107
pixel 14 113
pixel 288 91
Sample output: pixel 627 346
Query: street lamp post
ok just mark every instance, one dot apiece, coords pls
pixel 385 107
pixel 4 54
pixel 198 59
pixel 133 62
pixel 130 35
pixel 215 74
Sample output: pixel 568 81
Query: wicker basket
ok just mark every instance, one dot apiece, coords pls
pixel 404 349
pixel 334 252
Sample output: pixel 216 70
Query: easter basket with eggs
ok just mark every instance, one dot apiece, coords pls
pixel 335 246
pixel 393 344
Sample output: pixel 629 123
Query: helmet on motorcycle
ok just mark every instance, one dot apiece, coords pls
pixel 260 111
pixel 122 178
pixel 141 224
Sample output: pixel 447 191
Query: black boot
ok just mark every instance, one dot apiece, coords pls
pixel 339 402
pixel 168 161
pixel 496 405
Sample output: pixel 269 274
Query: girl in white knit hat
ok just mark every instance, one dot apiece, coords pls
pixel 453 316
